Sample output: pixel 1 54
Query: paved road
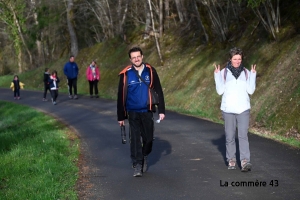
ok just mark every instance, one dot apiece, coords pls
pixel 187 162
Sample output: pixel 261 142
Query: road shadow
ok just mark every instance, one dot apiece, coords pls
pixel 160 148
pixel 221 145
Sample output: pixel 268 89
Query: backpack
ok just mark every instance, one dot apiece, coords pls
pixel 225 74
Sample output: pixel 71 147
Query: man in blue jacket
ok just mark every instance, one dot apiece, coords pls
pixel 71 71
pixel 132 104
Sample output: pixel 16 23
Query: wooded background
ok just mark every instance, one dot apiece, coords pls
pixel 35 32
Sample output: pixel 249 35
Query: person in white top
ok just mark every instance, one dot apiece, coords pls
pixel 235 83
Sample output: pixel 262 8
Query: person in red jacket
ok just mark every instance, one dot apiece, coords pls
pixel 93 76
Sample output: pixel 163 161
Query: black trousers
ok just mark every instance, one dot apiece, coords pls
pixel 54 94
pixel 72 83
pixel 17 93
pixel 93 86
pixel 46 88
pixel 141 126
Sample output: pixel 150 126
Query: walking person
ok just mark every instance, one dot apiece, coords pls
pixel 71 72
pixel 93 77
pixel 132 104
pixel 235 83
pixel 46 83
pixel 16 85
pixel 53 82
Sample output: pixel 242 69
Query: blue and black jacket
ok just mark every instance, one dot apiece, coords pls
pixel 133 94
pixel 71 70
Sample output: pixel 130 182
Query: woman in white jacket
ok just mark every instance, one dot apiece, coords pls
pixel 235 83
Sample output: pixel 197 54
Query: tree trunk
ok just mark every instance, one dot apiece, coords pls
pixel 161 22
pixel 38 40
pixel 70 19
pixel 200 21
pixel 148 21
pixel 167 12
pixel 155 35
pixel 179 10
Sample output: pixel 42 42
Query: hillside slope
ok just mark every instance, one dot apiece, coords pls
pixel 187 78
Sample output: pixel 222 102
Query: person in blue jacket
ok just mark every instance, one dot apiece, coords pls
pixel 71 72
pixel 134 104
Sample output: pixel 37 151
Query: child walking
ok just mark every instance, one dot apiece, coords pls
pixel 46 83
pixel 53 84
pixel 16 85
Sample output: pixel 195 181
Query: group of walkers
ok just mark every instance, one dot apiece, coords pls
pixel 134 102
pixel 136 83
pixel 71 72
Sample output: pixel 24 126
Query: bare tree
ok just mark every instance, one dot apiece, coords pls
pixel 268 13
pixel 70 21
pixel 219 15
pixel 167 12
pixel 148 21
pixel 36 22
pixel 179 7
pixel 12 14
pixel 161 16
pixel 155 35
pixel 200 20
pixel 122 18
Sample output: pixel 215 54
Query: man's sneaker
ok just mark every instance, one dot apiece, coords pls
pixel 44 99
pixel 54 103
pixel 96 96
pixel 91 96
pixel 75 97
pixel 138 171
pixel 145 164
pixel 231 164
pixel 246 166
pixel 70 96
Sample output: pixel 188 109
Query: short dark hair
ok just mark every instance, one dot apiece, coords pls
pixel 71 56
pixel 54 72
pixel 135 49
pixel 46 69
pixel 236 51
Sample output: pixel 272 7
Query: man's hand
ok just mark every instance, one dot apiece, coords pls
pixel 121 123
pixel 161 116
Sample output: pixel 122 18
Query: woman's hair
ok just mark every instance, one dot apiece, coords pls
pixel 54 72
pixel 235 51
pixel 46 69
pixel 16 76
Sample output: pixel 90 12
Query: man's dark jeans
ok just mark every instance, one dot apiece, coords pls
pixel 141 126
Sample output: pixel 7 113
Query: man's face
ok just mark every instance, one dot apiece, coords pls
pixel 136 58
pixel 72 59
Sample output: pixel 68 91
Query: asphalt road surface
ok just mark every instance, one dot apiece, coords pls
pixel 187 161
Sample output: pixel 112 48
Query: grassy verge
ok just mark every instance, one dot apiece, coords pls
pixel 38 155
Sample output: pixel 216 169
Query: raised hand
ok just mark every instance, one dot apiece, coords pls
pixel 217 68
pixel 253 68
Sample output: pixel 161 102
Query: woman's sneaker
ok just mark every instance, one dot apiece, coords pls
pixel 246 166
pixel 231 164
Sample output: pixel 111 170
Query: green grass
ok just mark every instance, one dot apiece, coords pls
pixel 38 155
